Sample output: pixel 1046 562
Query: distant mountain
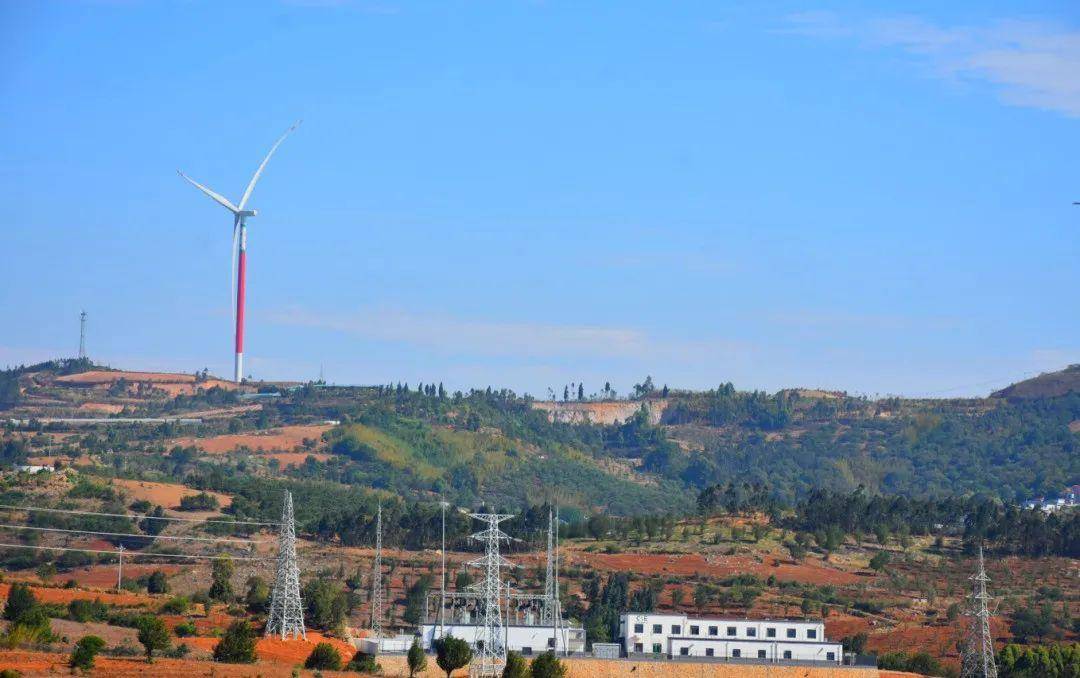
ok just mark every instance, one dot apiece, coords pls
pixel 1047 385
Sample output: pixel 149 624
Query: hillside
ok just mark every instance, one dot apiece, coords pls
pixel 494 446
pixel 1047 385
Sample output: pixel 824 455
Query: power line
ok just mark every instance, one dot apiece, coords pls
pixel 135 516
pixel 113 553
pixel 127 534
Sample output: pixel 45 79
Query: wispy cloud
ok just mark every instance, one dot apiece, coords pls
pixel 447 333
pixel 1030 63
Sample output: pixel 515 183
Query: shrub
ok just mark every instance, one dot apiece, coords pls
pixel 199 502
pixel 324 656
pixel 516 666
pixel 547 665
pixel 237 646
pixel 362 662
pixel 157 583
pixel 880 560
pixel 82 610
pixel 82 657
pixel 185 629
pixel 176 605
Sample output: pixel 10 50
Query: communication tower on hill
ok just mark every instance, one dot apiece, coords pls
pixel 82 335
pixel 977 660
pixel 286 618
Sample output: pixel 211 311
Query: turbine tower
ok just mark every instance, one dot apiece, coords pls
pixel 977 660
pixel 239 248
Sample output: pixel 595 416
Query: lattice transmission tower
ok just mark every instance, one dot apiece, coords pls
pixel 286 618
pixel 977 660
pixel 547 614
pixel 376 581
pixel 490 656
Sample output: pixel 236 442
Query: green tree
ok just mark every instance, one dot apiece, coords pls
pixel 20 599
pixel 416 658
pixel 221 579
pixel 415 598
pixel 237 646
pixel 157 582
pixel 324 656
pixel 86 649
pixel 362 662
pixel 1029 624
pixel 547 665
pixel 516 666
pixel 879 560
pixel 257 597
pixel 153 635
pixel 451 654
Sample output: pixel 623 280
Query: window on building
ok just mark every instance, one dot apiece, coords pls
pixel 714 630
pixel 551 642
pixel 638 647
pixel 684 651
pixel 791 633
pixel 731 630
pixel 751 631
pixel 787 654
pixel 639 628
pixel 526 651
pixel 695 630
pixel 676 629
pixel 811 633
pixel 761 654
pixel 736 653
pixel 708 652
pixel 770 632
pixel 657 628
pixel 657 648
pixel 831 656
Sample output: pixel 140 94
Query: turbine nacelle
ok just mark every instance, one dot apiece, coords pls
pixel 246 213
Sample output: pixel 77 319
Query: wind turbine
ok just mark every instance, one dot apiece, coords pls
pixel 239 246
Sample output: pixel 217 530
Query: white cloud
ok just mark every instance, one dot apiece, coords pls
pixel 446 333
pixel 1030 63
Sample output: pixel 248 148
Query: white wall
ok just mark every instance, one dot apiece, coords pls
pixel 537 638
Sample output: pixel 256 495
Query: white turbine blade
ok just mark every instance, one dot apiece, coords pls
pixel 258 172
pixel 220 199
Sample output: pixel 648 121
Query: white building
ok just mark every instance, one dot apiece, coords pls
pixel 769 640
pixel 527 640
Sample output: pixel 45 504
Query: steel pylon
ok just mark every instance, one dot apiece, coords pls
pixel 489 658
pixel 977 659
pixel 286 618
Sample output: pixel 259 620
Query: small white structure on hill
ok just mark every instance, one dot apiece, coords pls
pixel 752 640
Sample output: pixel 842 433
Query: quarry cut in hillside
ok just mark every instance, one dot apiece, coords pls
pixel 605 412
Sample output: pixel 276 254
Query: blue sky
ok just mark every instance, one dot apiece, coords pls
pixel 526 194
